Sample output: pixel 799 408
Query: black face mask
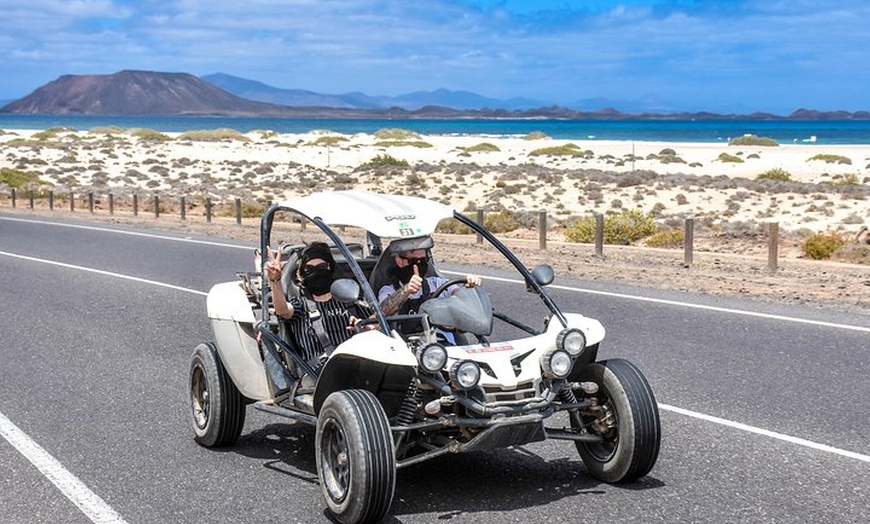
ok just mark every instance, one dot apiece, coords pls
pixel 405 273
pixel 317 280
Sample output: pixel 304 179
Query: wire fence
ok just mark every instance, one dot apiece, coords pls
pixel 205 209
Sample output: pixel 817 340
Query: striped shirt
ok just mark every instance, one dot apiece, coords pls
pixel 335 317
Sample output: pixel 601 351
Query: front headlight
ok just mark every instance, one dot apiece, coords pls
pixel 432 358
pixel 465 374
pixel 556 363
pixel 571 340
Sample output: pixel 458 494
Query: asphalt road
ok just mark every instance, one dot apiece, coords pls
pixel 765 409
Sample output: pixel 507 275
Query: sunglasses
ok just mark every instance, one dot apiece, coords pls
pixel 311 268
pixel 413 261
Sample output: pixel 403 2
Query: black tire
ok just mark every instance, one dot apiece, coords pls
pixel 217 408
pixel 631 447
pixel 356 462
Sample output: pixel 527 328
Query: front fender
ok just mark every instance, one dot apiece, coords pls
pixel 370 360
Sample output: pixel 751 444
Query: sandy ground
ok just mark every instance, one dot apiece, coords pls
pixel 731 210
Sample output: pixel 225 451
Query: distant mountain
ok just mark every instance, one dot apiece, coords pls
pixel 135 93
pixel 160 94
pixel 645 104
pixel 260 92
pixel 253 90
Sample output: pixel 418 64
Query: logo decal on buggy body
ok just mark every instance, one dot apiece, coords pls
pixel 390 218
pixel 480 348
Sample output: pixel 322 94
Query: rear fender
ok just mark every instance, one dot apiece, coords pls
pixel 232 321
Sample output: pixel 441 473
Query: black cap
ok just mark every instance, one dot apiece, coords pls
pixel 318 250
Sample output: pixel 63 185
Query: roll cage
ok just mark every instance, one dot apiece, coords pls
pixel 400 213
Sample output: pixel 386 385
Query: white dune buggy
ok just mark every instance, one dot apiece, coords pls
pixel 399 393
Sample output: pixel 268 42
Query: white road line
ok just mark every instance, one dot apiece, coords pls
pixel 89 502
pixel 689 305
pixel 131 233
pixel 767 433
pixel 101 272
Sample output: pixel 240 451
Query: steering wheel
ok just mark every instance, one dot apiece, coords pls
pixel 451 282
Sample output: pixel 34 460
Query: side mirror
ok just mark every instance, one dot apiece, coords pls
pixel 345 290
pixel 543 274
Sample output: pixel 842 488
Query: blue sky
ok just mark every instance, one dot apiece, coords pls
pixel 729 55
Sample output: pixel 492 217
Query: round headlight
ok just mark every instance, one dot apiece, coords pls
pixel 432 358
pixel 571 340
pixel 557 363
pixel 465 374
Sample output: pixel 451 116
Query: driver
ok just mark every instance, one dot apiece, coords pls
pixel 411 286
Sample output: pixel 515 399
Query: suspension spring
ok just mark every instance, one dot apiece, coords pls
pixel 410 405
pixel 566 395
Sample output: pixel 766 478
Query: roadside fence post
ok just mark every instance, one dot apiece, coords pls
pixel 479 221
pixel 135 205
pixel 542 230
pixel 183 208
pixel 111 203
pixel 208 210
pixel 599 235
pixel 51 200
pixel 13 197
pixel 238 210
pixel 688 242
pixel 156 206
pixel 773 247
pixel 72 202
pixel 31 199
pixel 91 202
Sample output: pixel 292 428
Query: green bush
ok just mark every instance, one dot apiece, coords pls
pixel 849 179
pixel 395 134
pixel 481 147
pixel 214 135
pixel 16 178
pixel 496 222
pixel 752 140
pixel 831 159
pixel 400 143
pixel 329 140
pixel 624 228
pixel 150 135
pixel 725 157
pixel 670 238
pixel 387 160
pixel 108 130
pixel 536 135
pixel 777 174
pixel 820 246
pixel 563 150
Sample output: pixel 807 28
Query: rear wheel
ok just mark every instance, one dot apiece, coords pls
pixel 626 416
pixel 356 462
pixel 216 406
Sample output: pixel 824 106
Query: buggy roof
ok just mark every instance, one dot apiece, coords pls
pixel 392 216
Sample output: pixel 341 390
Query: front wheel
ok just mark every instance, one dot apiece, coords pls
pixel 626 416
pixel 356 462
pixel 216 405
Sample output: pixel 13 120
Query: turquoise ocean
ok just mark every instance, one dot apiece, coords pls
pixel 817 132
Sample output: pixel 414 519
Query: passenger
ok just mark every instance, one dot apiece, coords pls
pixel 411 286
pixel 317 321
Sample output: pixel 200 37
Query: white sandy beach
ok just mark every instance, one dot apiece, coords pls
pixel 610 176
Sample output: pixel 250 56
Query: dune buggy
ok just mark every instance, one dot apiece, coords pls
pixel 466 372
